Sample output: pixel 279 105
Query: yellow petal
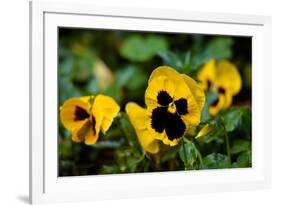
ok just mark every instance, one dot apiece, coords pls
pixel 196 91
pixel 227 100
pixel 95 126
pixel 138 115
pixel 87 99
pixel 192 118
pixel 156 135
pixel 158 84
pixel 139 118
pixel 105 109
pixel 179 86
pixel 148 143
pixel 89 132
pixel 80 133
pixel 67 113
pixel 169 142
pixel 228 76
pixel 76 138
pixel 164 71
pixel 191 131
pixel 91 137
pixel 207 74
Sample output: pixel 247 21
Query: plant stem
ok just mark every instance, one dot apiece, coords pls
pixel 138 160
pixel 227 147
pixel 226 138
pixel 200 158
pixel 123 129
pixel 108 144
pixel 185 159
pixel 198 152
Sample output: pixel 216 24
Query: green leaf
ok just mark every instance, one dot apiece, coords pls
pixel 128 130
pixel 189 154
pixel 65 66
pixel 128 159
pixel 170 154
pixel 187 62
pixel 131 77
pixel 178 61
pixel 232 118
pixel 139 49
pixel 114 91
pixel 171 59
pixel 220 48
pixel 198 59
pixel 238 118
pixel 127 77
pixel 92 86
pixel 67 89
pixel 215 161
pixel 186 59
pixel 82 68
pixel 106 169
pixel 156 44
pixel 240 145
pixel 246 122
pixel 243 160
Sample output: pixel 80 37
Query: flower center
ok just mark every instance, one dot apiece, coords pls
pixel 167 117
pixel 162 119
pixel 172 108
pixel 180 106
pixel 80 114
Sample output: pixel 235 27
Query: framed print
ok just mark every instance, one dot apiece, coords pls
pixel 129 102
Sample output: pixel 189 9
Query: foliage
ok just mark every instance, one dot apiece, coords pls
pixel 215 161
pixel 190 155
pixel 138 48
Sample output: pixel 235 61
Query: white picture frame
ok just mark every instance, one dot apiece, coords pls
pixel 46 186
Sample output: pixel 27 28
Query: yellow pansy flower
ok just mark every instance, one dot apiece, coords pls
pixel 139 117
pixel 174 102
pixel 223 78
pixel 86 116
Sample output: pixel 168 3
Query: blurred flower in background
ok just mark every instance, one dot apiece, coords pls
pixel 222 78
